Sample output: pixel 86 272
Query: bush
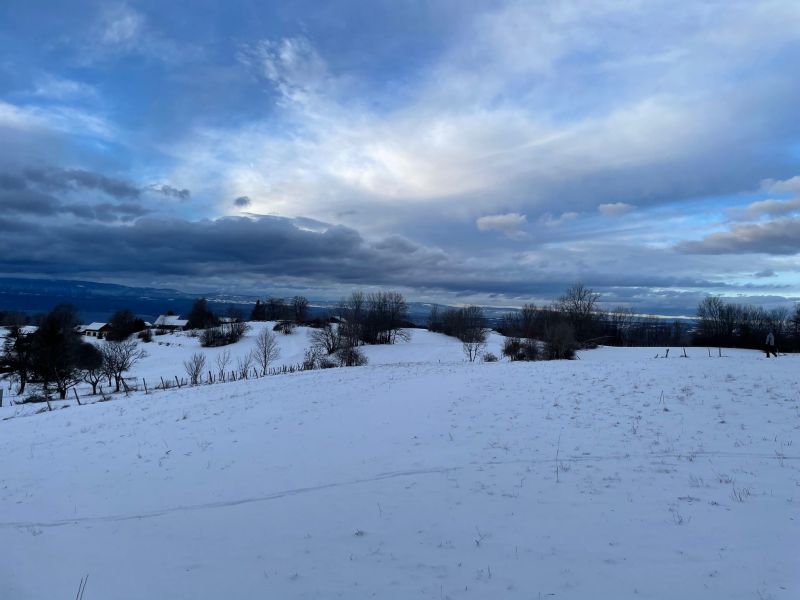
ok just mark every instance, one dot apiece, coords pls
pixel 311 357
pixel 489 357
pixel 285 327
pixel 350 356
pixel 145 335
pixel 521 349
pixel 560 341
pixel 229 333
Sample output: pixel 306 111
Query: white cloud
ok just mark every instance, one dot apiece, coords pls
pixel 510 224
pixel 765 208
pixel 613 209
pixel 60 88
pixel 491 117
pixel 551 221
pixel 120 30
pixel 121 26
pixel 61 119
pixel 785 186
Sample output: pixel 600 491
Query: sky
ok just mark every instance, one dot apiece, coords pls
pixel 491 152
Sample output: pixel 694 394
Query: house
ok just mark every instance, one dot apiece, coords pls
pixel 170 323
pixel 97 330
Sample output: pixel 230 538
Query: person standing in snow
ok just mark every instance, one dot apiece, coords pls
pixel 771 345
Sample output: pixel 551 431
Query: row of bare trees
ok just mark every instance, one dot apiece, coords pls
pixel 277 309
pixel 721 323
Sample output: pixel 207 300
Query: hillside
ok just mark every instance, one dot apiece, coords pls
pixel 617 475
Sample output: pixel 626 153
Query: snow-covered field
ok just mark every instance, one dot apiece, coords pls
pixel 618 475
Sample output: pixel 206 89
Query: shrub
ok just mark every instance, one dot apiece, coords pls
pixel 560 341
pixel 228 333
pixel 350 356
pixel 521 349
pixel 311 357
pixel 145 335
pixel 489 357
pixel 285 327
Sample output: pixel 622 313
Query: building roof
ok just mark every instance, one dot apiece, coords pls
pixel 170 321
pixel 95 326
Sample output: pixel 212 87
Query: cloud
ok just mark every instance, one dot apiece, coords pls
pixel 292 65
pixel 57 119
pixel 780 237
pixel 613 209
pixel 235 245
pixel 510 224
pixel 61 88
pixel 171 192
pixel 73 179
pixel 120 30
pixel 34 203
pixel 550 221
pixel 242 202
pixel 765 208
pixel 765 273
pixel 487 118
pixel 785 186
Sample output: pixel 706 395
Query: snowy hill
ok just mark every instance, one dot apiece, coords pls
pixel 419 476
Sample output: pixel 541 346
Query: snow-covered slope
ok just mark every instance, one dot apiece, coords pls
pixel 615 476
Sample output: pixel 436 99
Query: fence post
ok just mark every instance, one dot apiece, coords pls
pixel 145 386
pixel 73 391
pixel 1 397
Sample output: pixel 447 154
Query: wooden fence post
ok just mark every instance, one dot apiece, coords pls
pixel 73 391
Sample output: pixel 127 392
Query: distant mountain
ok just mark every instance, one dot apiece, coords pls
pixel 98 301
pixel 95 301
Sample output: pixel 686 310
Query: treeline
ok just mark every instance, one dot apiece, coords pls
pixel 721 323
pixel 56 358
pixel 576 321
pixel 277 309
pixel 557 330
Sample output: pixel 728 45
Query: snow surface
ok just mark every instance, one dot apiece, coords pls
pixel 418 476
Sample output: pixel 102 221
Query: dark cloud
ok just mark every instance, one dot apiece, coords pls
pixel 33 203
pixel 774 237
pixel 75 179
pixel 242 202
pixel 105 211
pixel 249 251
pixel 28 202
pixel 172 192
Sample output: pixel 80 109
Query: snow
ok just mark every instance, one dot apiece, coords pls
pixel 417 476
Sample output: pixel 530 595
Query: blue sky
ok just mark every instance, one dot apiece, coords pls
pixel 462 151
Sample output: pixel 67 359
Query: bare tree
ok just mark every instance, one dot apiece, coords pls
pixel 244 364
pixel 94 372
pixel 266 350
pixel 223 360
pixel 474 334
pixel 119 358
pixel 328 338
pixel 579 304
pixel 474 344
pixel 300 309
pixel 195 367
